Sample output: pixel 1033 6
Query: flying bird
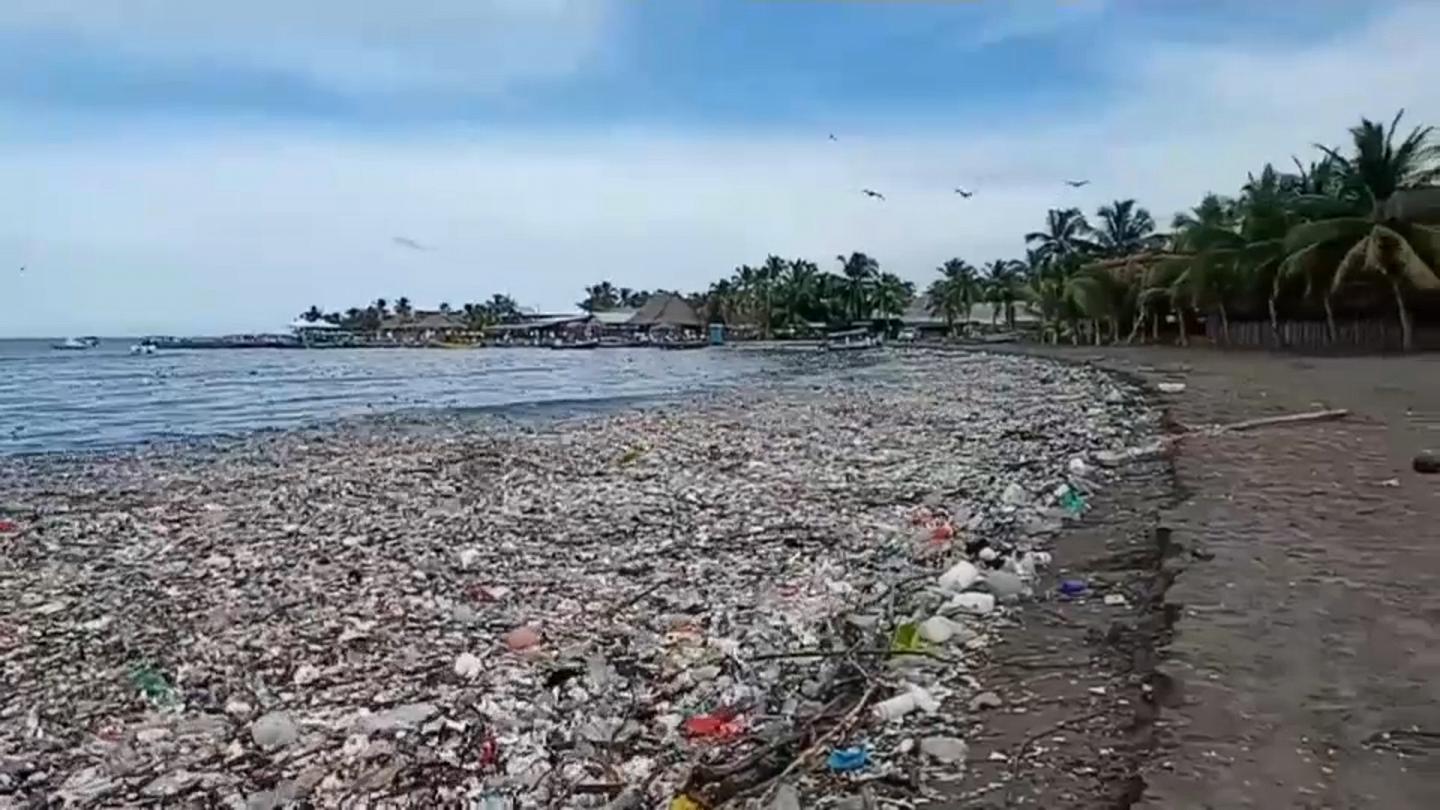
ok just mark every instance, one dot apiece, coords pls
pixel 833 138
pixel 1077 183
pixel 408 243
pixel 963 193
pixel 872 193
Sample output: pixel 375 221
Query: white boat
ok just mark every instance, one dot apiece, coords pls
pixel 73 344
pixel 850 340
pixel 143 347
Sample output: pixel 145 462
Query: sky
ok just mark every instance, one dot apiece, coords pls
pixel 208 166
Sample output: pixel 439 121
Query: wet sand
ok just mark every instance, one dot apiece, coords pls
pixel 1303 666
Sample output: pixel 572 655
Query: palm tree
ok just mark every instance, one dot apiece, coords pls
pixel 1063 237
pixel 444 307
pixel 860 272
pixel 379 305
pixel 953 295
pixel 402 307
pixel 1002 282
pixel 1405 254
pixel 766 281
pixel 1125 229
pixel 312 314
pixel 502 308
pixel 599 297
pixel 797 290
pixel 892 295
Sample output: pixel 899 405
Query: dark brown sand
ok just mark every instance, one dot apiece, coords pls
pixel 1302 668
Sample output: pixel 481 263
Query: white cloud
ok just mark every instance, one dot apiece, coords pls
pixel 241 230
pixel 348 46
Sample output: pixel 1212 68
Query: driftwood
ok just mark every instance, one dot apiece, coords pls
pixel 1286 419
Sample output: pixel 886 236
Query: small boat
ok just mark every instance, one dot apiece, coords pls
pixel 143 347
pixel 576 344
pixel 683 344
pixel 850 341
pixel 71 344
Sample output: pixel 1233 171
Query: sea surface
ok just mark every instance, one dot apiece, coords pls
pixel 105 398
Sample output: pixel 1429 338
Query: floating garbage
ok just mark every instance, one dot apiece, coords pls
pixel 1073 587
pixel 448 610
pixel 1171 387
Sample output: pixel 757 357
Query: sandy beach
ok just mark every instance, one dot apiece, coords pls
pixel 705 599
pixel 468 611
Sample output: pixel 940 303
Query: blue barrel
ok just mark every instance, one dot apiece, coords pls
pixel 717 334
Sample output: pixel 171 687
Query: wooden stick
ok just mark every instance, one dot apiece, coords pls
pixel 1308 416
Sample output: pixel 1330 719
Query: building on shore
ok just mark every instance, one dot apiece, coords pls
pixel 540 329
pixel 668 316
pixel 423 327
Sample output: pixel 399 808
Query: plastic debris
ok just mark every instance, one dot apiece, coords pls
pixel 1170 387
pixel 906 702
pixel 522 638
pixel 469 611
pixel 908 639
pixel 947 750
pixel 467 666
pixel 1072 501
pixel 719 725
pixel 684 802
pixel 1116 599
pixel 845 760
pixel 8 526
pixel 975 604
pixel 1073 587
pixel 985 700
pixel 959 576
pixel 153 685
pixel 274 730
pixel 786 798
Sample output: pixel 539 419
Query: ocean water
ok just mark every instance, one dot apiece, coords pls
pixel 105 398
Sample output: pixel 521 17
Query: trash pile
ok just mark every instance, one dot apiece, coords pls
pixel 772 598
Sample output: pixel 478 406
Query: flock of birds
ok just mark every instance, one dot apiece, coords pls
pixel 963 192
pixel 966 193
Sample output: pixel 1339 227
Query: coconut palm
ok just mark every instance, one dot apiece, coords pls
pixel 892 295
pixel 1064 235
pixel 953 295
pixel 1002 289
pixel 600 297
pixel 402 307
pixel 1369 240
pixel 1125 229
pixel 312 314
pixel 796 291
pixel 860 272
pixel 502 308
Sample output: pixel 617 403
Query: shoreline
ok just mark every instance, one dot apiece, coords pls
pixel 794 488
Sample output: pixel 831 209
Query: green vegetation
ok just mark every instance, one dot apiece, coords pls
pixel 1288 245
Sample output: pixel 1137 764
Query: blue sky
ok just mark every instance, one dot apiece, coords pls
pixel 174 166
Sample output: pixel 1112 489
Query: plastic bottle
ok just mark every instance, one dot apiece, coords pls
pixel 959 576
pixel 978 604
pixel 905 703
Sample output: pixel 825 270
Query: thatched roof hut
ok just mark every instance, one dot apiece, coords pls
pixel 667 309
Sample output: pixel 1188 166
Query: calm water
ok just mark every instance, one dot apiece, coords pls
pixel 103 398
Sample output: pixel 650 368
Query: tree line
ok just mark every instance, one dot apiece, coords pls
pixel 499 309
pixel 1327 236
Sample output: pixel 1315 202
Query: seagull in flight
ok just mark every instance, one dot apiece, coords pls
pixel 963 193
pixel 406 242
pixel 872 193
pixel 833 138
pixel 1077 183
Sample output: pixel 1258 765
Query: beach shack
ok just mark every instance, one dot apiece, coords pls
pixel 667 317
pixel 423 327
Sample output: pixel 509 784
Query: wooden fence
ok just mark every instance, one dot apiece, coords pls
pixel 1370 335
